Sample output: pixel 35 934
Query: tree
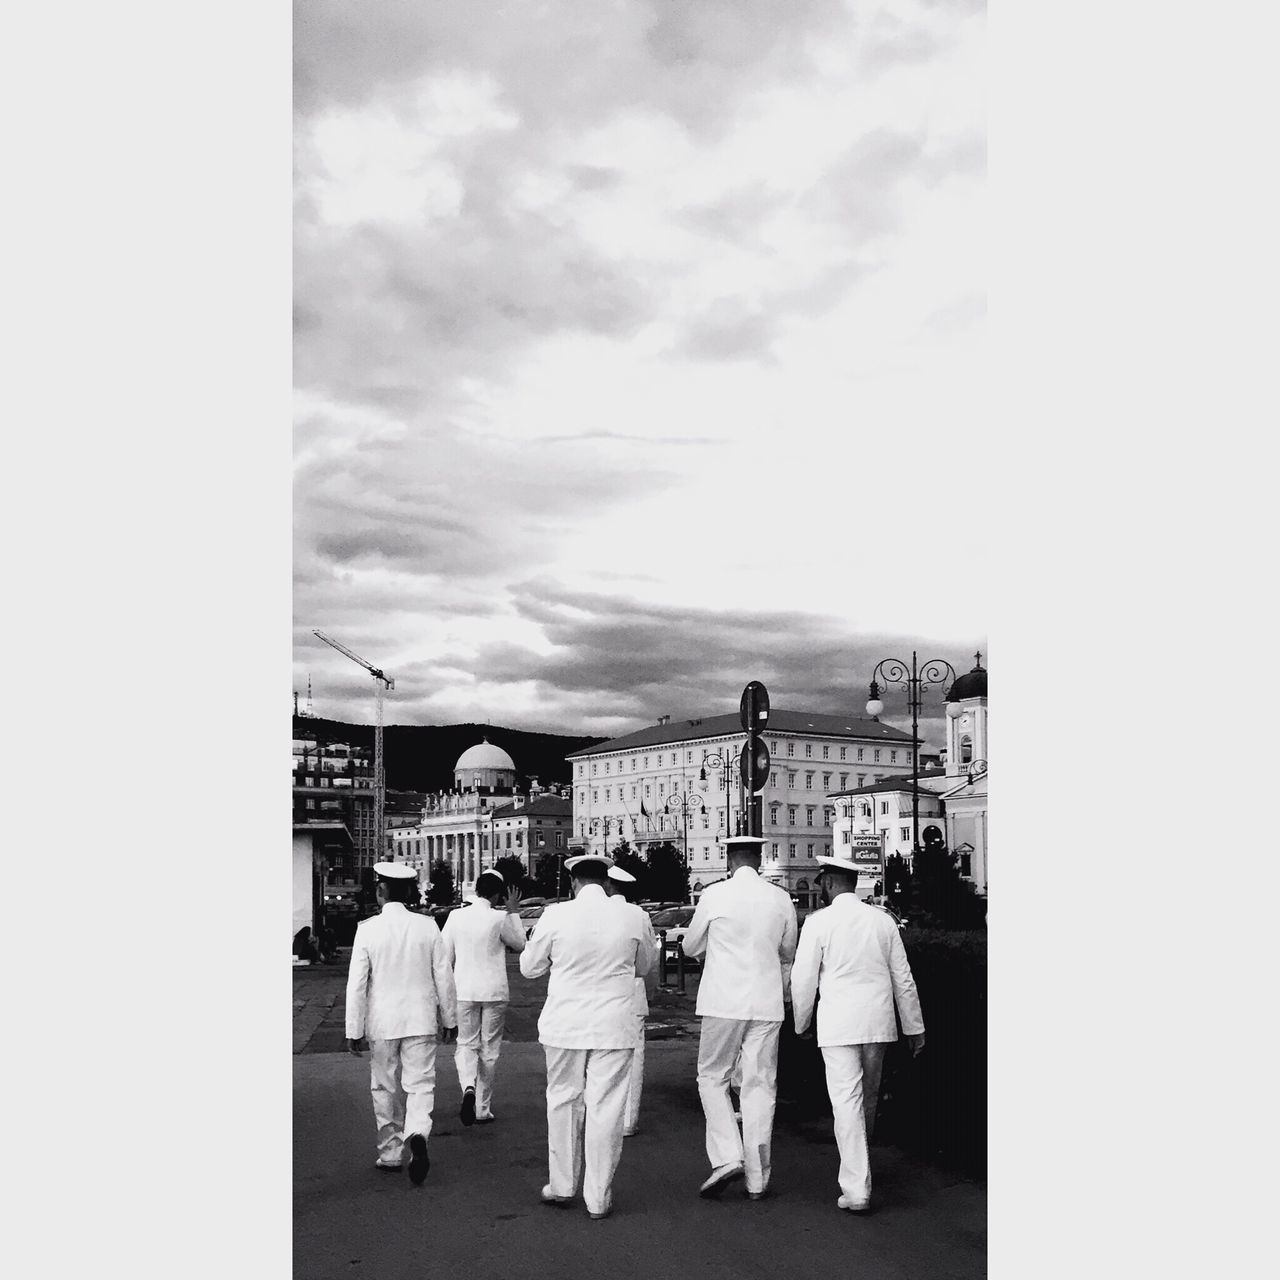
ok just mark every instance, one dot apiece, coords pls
pixel 939 896
pixel 441 893
pixel 668 877
pixel 626 858
pixel 511 869
pixel 545 872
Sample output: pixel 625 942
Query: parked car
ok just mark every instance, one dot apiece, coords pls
pixel 654 907
pixel 674 922
pixel 529 917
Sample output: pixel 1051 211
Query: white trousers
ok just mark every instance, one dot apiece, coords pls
pixel 586 1096
pixel 635 1082
pixel 853 1083
pixel 480 1025
pixel 719 1046
pixel 402 1079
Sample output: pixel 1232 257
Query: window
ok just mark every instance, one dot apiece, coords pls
pixel 519 839
pixel 808 748
pixel 646 762
pixel 966 750
pixel 860 778
pixel 791 748
pixel 905 832
pixel 826 851
pixel 876 755
pixel 608 794
pixel 791 815
pixel 844 781
pixel 311 804
pixel 791 779
pixel 808 815
pixel 595 797
pixel 775 852
pixel 484 843
pixel 808 779
pixel 893 757
pixel 791 850
pixel 809 850
pixel 606 766
pixel 559 839
pixel 884 806
pixel 582 797
pixel 508 845
pixel 688 757
pixel 828 815
pixel 633 790
pixel 594 766
pixel 845 837
pixel 773 748
pixel 673 757
pixel 826 753
pixel 647 792
pixel 773 777
pixel 859 753
pixel 773 814
pixel 826 782
pixel 633 764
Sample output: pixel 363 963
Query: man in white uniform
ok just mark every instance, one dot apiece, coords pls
pixel 476 941
pixel 852 954
pixel 397 986
pixel 747 929
pixel 615 887
pixel 587 1030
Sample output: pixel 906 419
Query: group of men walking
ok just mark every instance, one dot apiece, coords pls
pixel 408 980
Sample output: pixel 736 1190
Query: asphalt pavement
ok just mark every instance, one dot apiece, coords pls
pixel 478 1215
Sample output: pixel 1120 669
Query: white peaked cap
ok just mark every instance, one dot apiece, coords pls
pixel 394 871
pixel 622 877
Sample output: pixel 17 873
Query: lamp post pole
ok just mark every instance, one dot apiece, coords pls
pixel 682 802
pixel 914 679
pixel 722 759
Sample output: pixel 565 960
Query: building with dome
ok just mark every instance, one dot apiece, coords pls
pixel 485 768
pixel 485 817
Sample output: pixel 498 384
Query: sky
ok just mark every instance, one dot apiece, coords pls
pixel 639 352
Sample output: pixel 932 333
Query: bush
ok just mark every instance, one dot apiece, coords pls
pixel 934 1105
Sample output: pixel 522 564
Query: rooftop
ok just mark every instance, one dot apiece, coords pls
pixel 540 807
pixel 902 782
pixel 816 723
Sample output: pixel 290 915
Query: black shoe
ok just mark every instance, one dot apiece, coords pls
pixel 469 1107
pixel 419 1161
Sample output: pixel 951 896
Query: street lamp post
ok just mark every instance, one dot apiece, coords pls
pixel 723 759
pixel 684 803
pixel 914 679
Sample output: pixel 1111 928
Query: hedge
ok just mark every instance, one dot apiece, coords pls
pixel 934 1105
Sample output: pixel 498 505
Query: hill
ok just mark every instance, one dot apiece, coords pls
pixel 420 757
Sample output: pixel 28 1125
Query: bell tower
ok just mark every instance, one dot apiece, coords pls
pixel 967 720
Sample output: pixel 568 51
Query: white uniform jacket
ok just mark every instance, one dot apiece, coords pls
pixel 640 1005
pixel 476 940
pixel 594 953
pixel 853 955
pixel 747 929
pixel 399 977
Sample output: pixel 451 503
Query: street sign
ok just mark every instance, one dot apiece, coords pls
pixel 753 711
pixel 863 853
pixel 761 755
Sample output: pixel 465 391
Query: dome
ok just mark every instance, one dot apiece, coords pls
pixel 484 755
pixel 971 685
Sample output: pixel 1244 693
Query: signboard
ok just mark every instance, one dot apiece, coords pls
pixel 866 848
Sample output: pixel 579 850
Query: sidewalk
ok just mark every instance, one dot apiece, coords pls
pixel 478 1215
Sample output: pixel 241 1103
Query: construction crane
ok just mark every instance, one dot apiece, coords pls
pixel 381 683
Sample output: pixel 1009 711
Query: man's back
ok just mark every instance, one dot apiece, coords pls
pixel 747 929
pixel 475 941
pixel 853 955
pixel 594 953
pixel 398 976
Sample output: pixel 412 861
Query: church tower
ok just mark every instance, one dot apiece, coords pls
pixel 967 720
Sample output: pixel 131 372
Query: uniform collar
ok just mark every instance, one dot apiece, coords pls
pixel 594 890
pixel 745 871
pixel 386 906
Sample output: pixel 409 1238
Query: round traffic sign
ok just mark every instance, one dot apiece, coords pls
pixel 760 757
pixel 753 710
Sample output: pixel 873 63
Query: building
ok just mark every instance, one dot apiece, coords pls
pixel 953 798
pixel 333 782
pixel 485 818
pixel 317 846
pixel 661 783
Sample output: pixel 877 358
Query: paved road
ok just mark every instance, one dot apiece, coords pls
pixel 478 1215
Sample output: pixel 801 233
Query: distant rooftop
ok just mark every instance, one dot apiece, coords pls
pixel 899 782
pixel 780 722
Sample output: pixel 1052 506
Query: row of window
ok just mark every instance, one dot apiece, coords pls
pixel 674 757
pixel 502 841
pixel 846 837
pixel 648 792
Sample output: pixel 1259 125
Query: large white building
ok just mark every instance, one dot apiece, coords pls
pixel 484 819
pixel 953 799
pixel 661 783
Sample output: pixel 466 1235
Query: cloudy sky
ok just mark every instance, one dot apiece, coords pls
pixel 638 353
